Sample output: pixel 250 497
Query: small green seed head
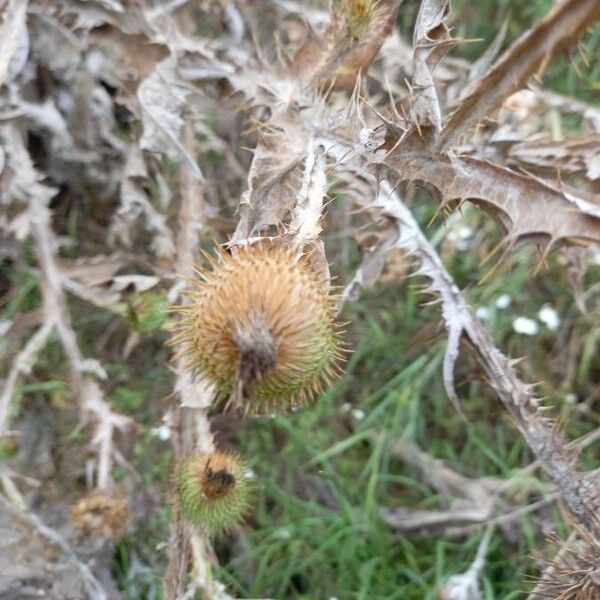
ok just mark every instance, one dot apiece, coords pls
pixel 359 16
pixel 147 311
pixel 213 490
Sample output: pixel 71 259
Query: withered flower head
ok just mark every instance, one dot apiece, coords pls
pixel 575 572
pixel 100 515
pixel 213 490
pixel 261 327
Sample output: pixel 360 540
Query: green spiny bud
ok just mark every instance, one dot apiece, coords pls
pixel 213 490
pixel 147 311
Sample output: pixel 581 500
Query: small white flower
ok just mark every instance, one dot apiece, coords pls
pixel 549 317
pixel 345 408
pixel 483 312
pixel 570 398
pixel 163 432
pixel 525 325
pixel 461 237
pixel 503 301
pixel 249 474
pixel 465 232
pixel 358 414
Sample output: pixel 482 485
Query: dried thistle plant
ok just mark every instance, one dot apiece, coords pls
pixel 349 106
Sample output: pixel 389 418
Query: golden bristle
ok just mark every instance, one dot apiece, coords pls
pixel 101 515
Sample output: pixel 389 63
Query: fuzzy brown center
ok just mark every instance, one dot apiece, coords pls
pixel 216 483
pixel 257 353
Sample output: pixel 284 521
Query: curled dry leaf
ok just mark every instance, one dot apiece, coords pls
pixel 431 40
pixel 529 56
pixel 273 179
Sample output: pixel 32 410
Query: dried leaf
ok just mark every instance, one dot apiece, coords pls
pixel 92 271
pixel 528 56
pixel 431 40
pixel 528 209
pixel 135 204
pixel 272 181
pixel 162 97
pixel 14 39
pixel 567 156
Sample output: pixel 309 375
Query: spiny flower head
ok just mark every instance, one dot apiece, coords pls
pixel 260 326
pixel 213 490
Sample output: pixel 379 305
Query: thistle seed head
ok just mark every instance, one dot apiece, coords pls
pixel 575 572
pixel 260 326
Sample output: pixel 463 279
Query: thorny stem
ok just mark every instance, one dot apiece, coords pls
pixel 551 449
pixel 21 366
pixel 189 419
pixel 57 318
pixel 84 386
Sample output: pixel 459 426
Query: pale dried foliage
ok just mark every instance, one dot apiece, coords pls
pixel 103 99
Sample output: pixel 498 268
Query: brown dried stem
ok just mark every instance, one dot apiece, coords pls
pixel 189 419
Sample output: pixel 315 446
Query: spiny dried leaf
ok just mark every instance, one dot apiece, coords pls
pixel 431 40
pixel 528 56
pixel 273 179
pixel 528 209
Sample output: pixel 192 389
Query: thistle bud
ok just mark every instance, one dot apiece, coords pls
pixel 213 490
